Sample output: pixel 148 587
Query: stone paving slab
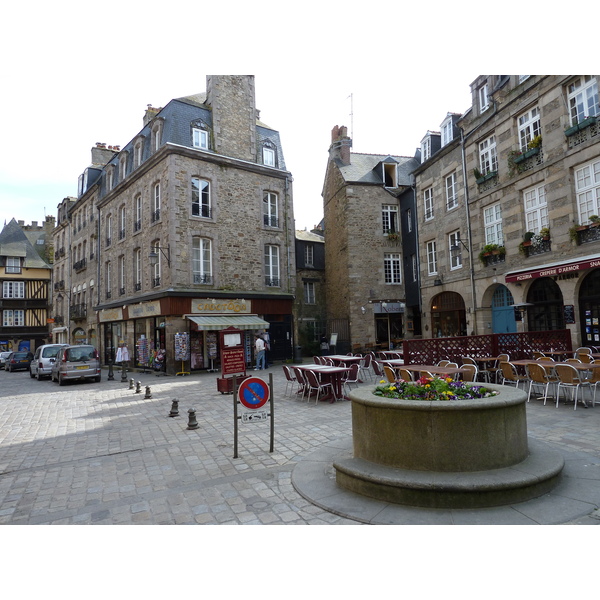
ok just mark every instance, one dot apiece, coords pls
pixel 98 453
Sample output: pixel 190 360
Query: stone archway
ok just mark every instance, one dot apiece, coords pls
pixel 503 312
pixel 547 312
pixel 448 315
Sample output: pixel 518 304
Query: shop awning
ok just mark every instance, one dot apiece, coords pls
pixel 215 323
pixel 554 269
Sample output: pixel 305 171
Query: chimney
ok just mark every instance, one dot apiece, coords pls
pixel 151 112
pixel 340 145
pixel 101 154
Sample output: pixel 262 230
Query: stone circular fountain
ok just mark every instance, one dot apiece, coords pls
pixel 446 454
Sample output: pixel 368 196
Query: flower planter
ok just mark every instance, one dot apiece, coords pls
pixel 579 126
pixel 487 176
pixel 446 454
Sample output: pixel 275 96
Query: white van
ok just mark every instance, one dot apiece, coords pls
pixel 43 359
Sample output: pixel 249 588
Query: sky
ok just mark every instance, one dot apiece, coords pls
pixel 77 78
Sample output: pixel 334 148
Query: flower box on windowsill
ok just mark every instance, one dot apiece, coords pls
pixel 579 126
pixel 486 177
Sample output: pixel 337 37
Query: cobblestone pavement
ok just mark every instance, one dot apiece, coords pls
pixel 99 453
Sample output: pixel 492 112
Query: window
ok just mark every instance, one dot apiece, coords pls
pixel 455 250
pixel 390 174
pixel 156 134
pixel 13 264
pixel 536 209
pixel 484 101
pixel 137 154
pixel 529 127
pixel 121 275
pixel 583 98
pixel 425 148
pixel 137 224
pixel 272 266
pixel 451 192
pixel 122 222
pixel 308 255
pixel 428 203
pixel 110 178
pixel 309 292
pixel 409 224
pixel 156 268
pixel 488 161
pixel 200 198
pixel 137 269
pixel 391 268
pixel 389 218
pixel 270 216
pixel 108 230
pixel 415 267
pixel 587 189
pixel 156 203
pixel 431 258
pixel 13 318
pixel 123 165
pixel 200 138
pixel 268 157
pixel 108 280
pixel 492 217
pixel 447 131
pixel 202 260
pixel 13 289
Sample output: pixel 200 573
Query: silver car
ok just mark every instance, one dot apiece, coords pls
pixel 43 359
pixel 3 357
pixel 76 363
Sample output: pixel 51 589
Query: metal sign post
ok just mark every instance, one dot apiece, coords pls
pixel 253 394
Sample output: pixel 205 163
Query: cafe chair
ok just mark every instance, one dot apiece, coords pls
pixel 470 374
pixel 406 375
pixel 538 376
pixel 510 376
pixel 569 380
pixel 389 373
pixel 572 361
pixel 365 366
pixel 351 377
pixel 581 351
pixel 377 370
pixel 426 374
pixel 289 379
pixel 537 354
pixel 494 374
pixel 329 362
pixel 594 380
pixel 467 360
pixel 315 385
pixel 317 360
pixel 301 381
pixel 585 358
pixel 443 363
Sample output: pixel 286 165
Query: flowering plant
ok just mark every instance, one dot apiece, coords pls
pixel 436 388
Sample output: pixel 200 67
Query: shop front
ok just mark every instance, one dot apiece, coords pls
pixel 448 315
pixel 389 324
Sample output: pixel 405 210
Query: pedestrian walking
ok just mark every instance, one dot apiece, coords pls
pixel 259 350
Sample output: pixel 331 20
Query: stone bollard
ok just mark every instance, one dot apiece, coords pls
pixel 111 375
pixel 148 393
pixel 132 383
pixel 123 373
pixel 192 423
pixel 138 387
pixel 174 408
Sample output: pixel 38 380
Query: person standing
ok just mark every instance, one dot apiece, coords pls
pixel 259 350
pixel 267 341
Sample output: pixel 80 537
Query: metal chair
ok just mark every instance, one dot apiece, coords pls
pixel 569 380
pixel 471 372
pixel 377 370
pixel 540 377
pixel 510 376
pixel 537 354
pixel 496 371
pixel 289 378
pixel 406 375
pixel 352 376
pixel 389 373
pixel 314 384
pixel 301 380
pixel 443 363
pixel 365 366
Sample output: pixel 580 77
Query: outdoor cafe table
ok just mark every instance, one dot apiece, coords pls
pixel 557 353
pixel 331 375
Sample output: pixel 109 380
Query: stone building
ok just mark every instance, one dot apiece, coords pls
pixel 186 230
pixel 366 257
pixel 523 178
pixel 25 280
pixel 309 306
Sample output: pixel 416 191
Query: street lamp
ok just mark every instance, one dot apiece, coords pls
pixel 153 256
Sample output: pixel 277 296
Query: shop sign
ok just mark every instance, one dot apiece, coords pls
pixel 220 307
pixel 145 309
pixel 110 314
pixel 553 271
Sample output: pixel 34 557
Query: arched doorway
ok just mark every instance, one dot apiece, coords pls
pixel 448 318
pixel 547 312
pixel 503 313
pixel 589 309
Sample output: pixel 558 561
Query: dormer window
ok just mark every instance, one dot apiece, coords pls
pixel 447 131
pixel 156 133
pixel 123 166
pixel 13 264
pixel 390 175
pixel 269 156
pixel 110 178
pixel 425 148
pixel 200 135
pixel 484 101
pixel 137 153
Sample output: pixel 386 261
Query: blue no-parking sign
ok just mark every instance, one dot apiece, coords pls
pixel 253 393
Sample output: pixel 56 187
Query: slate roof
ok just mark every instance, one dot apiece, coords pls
pixel 309 236
pixel 14 242
pixel 362 168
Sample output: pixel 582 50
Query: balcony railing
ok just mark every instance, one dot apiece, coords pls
pixel 539 248
pixel 203 279
pixel 108 241
pixel 591 234
pixel 121 234
pixel 80 265
pixel 271 221
pixel 77 311
pixel 121 291
pixel 272 281
pixel 138 286
pixel 155 281
pixel 493 259
pixel 155 216
pixel 137 225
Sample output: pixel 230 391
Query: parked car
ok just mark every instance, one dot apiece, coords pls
pixel 18 361
pixel 76 363
pixel 43 359
pixel 3 357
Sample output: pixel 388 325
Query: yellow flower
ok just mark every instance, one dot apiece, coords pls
pixel 382 381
